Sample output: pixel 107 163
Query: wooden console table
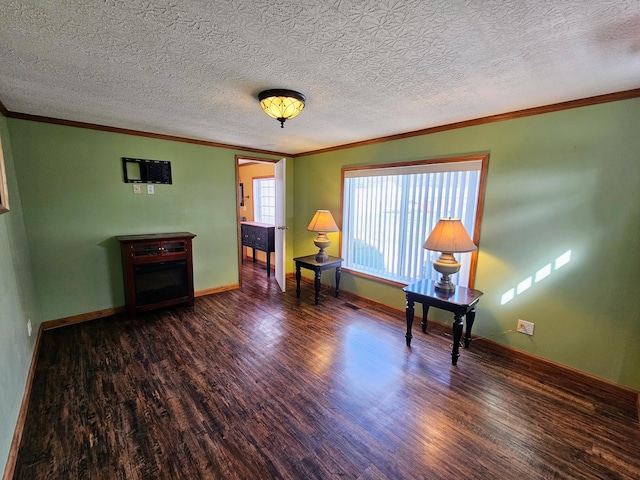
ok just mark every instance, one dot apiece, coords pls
pixel 158 270
pixel 259 236
pixel 310 262
pixel 462 303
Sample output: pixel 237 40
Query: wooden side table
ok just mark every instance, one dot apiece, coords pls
pixel 462 303
pixel 310 262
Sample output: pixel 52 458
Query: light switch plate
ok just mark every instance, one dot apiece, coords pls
pixel 136 188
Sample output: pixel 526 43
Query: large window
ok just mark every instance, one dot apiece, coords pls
pixel 264 200
pixel 389 211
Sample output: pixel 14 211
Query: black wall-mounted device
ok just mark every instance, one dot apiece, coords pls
pixel 138 170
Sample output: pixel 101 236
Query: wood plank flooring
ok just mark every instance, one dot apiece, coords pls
pixel 256 384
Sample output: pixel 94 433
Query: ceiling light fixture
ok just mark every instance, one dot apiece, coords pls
pixel 281 104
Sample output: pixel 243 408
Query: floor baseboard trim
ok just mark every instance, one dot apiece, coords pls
pixel 107 312
pixel 209 291
pixel 10 466
pixel 533 361
pixel 83 317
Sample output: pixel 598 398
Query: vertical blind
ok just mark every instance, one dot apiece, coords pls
pixel 389 212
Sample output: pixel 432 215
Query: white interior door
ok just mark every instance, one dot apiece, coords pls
pixel 281 219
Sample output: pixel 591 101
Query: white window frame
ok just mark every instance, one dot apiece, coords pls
pixel 264 206
pixel 393 247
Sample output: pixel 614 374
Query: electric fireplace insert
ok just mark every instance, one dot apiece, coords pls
pixel 158 270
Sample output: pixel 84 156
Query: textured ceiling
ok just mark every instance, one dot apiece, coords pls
pixel 369 68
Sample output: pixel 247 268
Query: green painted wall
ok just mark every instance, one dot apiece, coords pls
pixel 561 181
pixel 75 201
pixel 17 305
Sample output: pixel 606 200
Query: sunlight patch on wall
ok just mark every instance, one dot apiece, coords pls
pixel 543 273
pixel 563 259
pixel 540 275
pixel 524 285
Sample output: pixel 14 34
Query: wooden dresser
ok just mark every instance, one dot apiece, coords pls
pixel 259 236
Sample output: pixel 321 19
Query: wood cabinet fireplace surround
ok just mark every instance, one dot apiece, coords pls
pixel 158 270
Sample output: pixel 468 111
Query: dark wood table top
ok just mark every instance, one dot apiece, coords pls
pixel 310 260
pixel 155 236
pixel 462 296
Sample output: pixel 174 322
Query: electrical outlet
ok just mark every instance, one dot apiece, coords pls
pixel 150 190
pixel 525 327
pixel 29 327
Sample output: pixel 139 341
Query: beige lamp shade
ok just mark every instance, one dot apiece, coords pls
pixel 322 222
pixel 449 237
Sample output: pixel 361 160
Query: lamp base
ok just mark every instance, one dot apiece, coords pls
pixel 322 242
pixel 446 265
pixel 322 256
pixel 445 285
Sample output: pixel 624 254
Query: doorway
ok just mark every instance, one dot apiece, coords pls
pixel 261 202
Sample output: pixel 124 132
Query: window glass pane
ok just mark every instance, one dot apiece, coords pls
pixel 388 213
pixel 264 200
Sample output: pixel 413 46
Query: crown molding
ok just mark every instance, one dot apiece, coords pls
pixel 138 133
pixel 556 107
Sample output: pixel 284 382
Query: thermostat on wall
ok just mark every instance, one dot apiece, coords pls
pixel 138 170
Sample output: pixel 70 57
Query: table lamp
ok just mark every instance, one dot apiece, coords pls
pixel 448 237
pixel 322 222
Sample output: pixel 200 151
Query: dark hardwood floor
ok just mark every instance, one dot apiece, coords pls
pixel 255 384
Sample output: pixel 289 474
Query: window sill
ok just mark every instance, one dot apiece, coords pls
pixel 386 281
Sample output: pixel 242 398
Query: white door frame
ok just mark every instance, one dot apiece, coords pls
pixel 281 222
pixel 280 233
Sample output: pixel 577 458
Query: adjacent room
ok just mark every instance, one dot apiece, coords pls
pixel 346 239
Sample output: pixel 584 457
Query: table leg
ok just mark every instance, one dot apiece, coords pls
pixel 471 316
pixel 457 335
pixel 338 272
pixel 316 284
pixel 268 264
pixel 410 310
pixel 425 310
pixel 297 280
